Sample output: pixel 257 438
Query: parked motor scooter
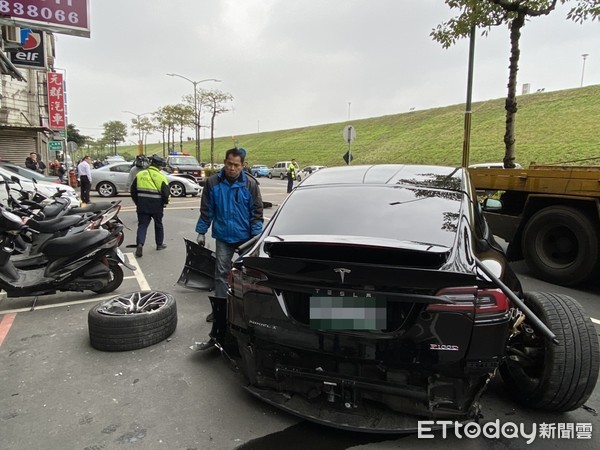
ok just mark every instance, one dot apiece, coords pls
pixel 66 225
pixel 83 261
pixel 31 252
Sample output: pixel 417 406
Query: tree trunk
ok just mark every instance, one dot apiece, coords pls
pixel 511 99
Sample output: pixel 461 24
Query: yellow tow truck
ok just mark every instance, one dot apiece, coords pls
pixel 549 215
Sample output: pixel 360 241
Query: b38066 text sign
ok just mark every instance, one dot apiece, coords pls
pixel 58 16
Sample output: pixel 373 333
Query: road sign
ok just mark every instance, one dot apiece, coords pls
pixel 349 133
pixel 55 146
pixel 347 157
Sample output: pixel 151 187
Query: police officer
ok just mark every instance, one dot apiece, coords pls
pixel 291 175
pixel 150 193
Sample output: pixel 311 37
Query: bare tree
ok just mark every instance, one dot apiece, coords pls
pixel 215 102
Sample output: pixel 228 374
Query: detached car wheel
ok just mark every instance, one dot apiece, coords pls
pixel 543 375
pixel 132 321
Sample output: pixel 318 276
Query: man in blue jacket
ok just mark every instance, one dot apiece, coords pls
pixel 232 202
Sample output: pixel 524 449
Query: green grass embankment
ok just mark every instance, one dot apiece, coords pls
pixel 551 127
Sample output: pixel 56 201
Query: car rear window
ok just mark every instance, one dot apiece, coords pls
pixel 390 212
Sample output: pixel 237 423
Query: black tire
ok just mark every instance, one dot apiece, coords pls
pixel 106 189
pixel 281 176
pixel 177 189
pixel 560 245
pixel 132 321
pixel 270 175
pixel 117 274
pixel 551 377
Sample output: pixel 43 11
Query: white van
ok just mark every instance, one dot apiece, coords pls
pixel 280 169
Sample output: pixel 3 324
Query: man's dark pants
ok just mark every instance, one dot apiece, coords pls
pixel 144 222
pixel 86 187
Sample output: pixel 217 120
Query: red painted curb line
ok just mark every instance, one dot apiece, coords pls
pixel 5 325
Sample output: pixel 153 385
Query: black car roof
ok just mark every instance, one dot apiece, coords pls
pixel 423 176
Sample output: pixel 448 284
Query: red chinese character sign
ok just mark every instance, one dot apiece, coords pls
pixel 56 102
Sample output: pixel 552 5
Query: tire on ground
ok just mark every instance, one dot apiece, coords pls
pixel 553 377
pixel 122 332
pixel 560 245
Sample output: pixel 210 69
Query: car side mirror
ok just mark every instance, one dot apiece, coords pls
pixel 492 204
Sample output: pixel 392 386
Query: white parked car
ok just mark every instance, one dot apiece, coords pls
pixel 45 188
pixel 111 180
pixel 308 170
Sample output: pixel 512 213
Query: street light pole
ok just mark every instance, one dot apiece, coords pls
pixel 584 56
pixel 196 112
pixel 140 143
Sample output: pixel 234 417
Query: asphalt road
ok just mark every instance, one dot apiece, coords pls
pixel 57 392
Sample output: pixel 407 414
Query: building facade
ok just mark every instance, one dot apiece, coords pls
pixel 23 98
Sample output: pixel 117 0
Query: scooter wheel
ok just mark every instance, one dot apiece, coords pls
pixel 132 321
pixel 117 274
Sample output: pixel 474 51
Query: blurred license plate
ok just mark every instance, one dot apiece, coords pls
pixel 120 254
pixel 347 313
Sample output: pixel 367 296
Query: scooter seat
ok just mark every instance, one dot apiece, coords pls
pixel 69 245
pixel 54 225
pixel 56 209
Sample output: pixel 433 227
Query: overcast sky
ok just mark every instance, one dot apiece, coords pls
pixel 290 64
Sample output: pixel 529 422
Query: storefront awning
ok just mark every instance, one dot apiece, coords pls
pixel 8 68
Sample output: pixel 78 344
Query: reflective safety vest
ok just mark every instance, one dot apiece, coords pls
pixel 150 190
pixel 292 170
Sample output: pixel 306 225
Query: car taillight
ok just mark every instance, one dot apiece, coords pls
pixel 245 279
pixel 491 302
pixel 485 303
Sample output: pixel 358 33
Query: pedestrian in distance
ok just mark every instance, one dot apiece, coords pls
pixel 291 175
pixel 232 203
pixel 32 163
pixel 140 163
pixel 41 164
pixel 58 170
pixel 84 172
pixel 150 193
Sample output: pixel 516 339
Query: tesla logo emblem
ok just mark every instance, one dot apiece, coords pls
pixel 342 272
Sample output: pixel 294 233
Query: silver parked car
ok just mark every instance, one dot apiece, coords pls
pixel 111 180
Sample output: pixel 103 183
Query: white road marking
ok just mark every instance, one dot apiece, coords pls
pixel 595 321
pixel 139 275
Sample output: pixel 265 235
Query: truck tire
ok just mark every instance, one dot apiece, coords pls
pixel 543 375
pixel 132 321
pixel 560 245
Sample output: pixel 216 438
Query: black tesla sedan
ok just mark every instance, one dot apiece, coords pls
pixel 376 296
